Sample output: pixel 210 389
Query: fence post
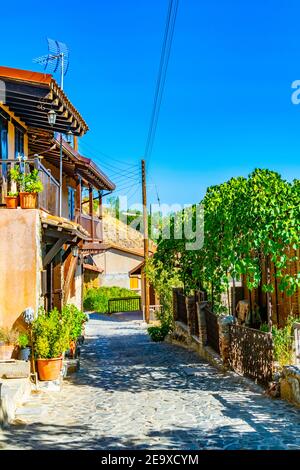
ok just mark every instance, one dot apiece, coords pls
pixel 200 306
pixel 190 304
pixel 176 291
pixel 224 337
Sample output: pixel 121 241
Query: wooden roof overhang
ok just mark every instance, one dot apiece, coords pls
pixel 58 233
pixel 47 144
pixel 92 267
pixel 31 95
pixel 137 271
pixel 90 248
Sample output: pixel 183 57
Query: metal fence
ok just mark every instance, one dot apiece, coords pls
pixel 251 353
pixel 212 329
pixel 124 304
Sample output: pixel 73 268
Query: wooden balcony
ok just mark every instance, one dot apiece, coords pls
pixel 48 199
pixel 93 225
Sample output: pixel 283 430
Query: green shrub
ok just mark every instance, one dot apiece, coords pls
pixel 97 298
pixel 23 340
pixel 74 319
pixel 283 341
pixel 158 333
pixel 51 334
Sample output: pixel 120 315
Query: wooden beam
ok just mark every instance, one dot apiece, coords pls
pixel 54 250
pixel 52 233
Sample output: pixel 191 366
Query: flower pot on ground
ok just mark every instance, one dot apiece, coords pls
pixel 49 369
pixel 12 200
pixel 8 340
pixel 24 351
pixel 24 354
pixel 50 340
pixel 72 349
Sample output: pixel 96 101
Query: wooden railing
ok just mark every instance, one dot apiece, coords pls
pixel 212 329
pixel 93 225
pixel 125 304
pixel 48 199
pixel 6 185
pixel 181 308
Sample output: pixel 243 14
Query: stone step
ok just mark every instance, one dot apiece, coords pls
pixel 13 393
pixel 14 369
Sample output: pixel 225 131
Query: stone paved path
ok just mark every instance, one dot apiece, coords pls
pixel 132 393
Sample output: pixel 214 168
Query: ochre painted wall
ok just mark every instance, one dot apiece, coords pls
pixel 20 263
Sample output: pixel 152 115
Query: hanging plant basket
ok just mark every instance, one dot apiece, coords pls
pixel 28 200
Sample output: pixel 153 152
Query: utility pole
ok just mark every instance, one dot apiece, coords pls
pixel 146 242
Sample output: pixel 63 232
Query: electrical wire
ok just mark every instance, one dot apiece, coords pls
pixel 161 79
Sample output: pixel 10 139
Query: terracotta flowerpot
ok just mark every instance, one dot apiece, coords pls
pixel 72 349
pixel 6 351
pixel 49 369
pixel 28 200
pixel 11 202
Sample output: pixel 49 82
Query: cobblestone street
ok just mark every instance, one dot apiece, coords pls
pixel 132 393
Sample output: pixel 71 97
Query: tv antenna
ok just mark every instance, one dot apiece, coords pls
pixel 57 59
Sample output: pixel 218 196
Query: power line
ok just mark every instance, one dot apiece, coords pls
pixel 110 158
pixel 163 66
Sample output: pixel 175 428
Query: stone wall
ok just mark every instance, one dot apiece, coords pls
pixel 290 384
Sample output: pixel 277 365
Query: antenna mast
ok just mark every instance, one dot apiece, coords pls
pixel 57 59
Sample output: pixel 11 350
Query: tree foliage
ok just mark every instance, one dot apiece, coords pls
pixel 248 223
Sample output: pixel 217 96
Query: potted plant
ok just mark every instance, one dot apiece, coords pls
pixel 74 319
pixel 31 186
pixel 12 200
pixel 8 341
pixel 23 342
pixel 50 340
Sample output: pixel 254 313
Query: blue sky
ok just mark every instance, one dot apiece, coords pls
pixel 227 104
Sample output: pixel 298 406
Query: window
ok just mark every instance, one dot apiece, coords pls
pixel 19 143
pixel 3 138
pixel 71 202
pixel 134 283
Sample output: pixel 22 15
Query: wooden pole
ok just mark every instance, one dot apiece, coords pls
pixel 146 241
pixel 91 211
pixel 233 297
pixel 276 295
pixel 78 200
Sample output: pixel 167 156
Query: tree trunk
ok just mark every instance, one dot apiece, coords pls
pixel 269 298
